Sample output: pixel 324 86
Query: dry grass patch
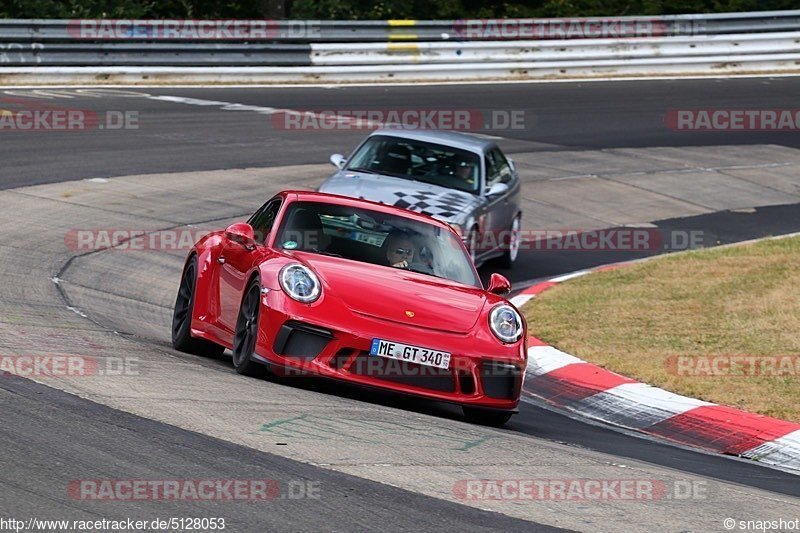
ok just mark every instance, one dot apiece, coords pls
pixel 742 300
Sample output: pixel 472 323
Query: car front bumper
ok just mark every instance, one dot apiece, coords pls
pixel 296 340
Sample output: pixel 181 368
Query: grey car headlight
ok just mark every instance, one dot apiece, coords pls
pixel 505 323
pixel 300 283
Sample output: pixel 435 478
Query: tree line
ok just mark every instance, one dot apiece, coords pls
pixel 370 9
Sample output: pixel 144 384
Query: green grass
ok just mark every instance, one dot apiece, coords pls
pixel 742 300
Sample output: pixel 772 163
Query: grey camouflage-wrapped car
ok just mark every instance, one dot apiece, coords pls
pixel 461 179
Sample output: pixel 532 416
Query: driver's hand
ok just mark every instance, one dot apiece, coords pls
pixel 401 264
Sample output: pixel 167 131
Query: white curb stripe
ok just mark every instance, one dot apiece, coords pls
pixel 783 452
pixel 565 277
pixel 520 299
pixel 637 405
pixel 545 359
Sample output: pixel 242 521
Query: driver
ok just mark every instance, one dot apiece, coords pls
pixel 400 249
pixel 465 171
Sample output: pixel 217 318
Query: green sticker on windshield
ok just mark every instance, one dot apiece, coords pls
pixel 290 245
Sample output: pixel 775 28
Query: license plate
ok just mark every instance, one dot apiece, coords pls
pixel 410 354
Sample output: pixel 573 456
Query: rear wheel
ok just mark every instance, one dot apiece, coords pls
pixel 486 417
pixel 182 339
pixel 244 340
pixel 509 257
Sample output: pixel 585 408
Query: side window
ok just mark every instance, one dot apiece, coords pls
pixel 263 220
pixel 497 168
pixel 492 172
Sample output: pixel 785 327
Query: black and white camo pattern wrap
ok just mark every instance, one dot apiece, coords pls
pixel 444 206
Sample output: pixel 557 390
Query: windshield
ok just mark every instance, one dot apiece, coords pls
pixel 418 160
pixel 372 237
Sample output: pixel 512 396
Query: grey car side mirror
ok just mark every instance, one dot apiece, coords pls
pixel 338 161
pixel 497 189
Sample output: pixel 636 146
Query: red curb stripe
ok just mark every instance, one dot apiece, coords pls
pixel 573 383
pixel 614 266
pixel 539 288
pixel 591 376
pixel 533 341
pixel 722 429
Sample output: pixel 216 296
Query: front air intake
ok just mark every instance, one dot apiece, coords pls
pixel 501 380
pixel 303 341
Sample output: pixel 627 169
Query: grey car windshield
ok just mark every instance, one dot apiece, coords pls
pixel 418 160
pixel 377 238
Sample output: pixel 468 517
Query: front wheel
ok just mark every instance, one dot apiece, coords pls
pixel 244 340
pixel 511 253
pixel 182 339
pixel 486 417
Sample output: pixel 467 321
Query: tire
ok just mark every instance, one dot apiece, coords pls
pixel 244 339
pixel 486 417
pixel 182 339
pixel 509 257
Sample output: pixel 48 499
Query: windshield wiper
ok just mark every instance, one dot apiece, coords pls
pixel 329 254
pixel 382 173
pixel 364 170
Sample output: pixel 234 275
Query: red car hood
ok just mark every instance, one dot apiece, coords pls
pixel 394 294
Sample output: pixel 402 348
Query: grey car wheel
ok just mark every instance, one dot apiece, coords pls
pixel 509 257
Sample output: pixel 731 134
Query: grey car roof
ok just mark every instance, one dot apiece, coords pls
pixel 449 138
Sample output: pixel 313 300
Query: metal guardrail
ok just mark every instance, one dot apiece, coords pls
pixel 261 50
pixel 137 54
pixel 676 48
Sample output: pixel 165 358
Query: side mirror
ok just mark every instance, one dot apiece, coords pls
pixel 512 165
pixel 338 160
pixel 499 284
pixel 241 233
pixel 497 189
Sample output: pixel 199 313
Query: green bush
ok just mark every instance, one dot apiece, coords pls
pixel 370 9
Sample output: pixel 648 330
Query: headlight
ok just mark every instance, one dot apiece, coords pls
pixel 300 283
pixel 505 323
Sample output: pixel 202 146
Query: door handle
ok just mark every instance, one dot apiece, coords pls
pixel 221 260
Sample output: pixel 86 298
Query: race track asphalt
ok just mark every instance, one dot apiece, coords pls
pixel 51 437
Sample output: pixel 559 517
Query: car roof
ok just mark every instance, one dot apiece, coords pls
pixel 337 199
pixel 450 138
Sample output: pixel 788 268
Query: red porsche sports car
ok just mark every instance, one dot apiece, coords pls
pixel 359 291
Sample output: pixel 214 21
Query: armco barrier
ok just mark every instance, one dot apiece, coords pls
pixel 677 48
pixel 154 54
pixel 263 51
